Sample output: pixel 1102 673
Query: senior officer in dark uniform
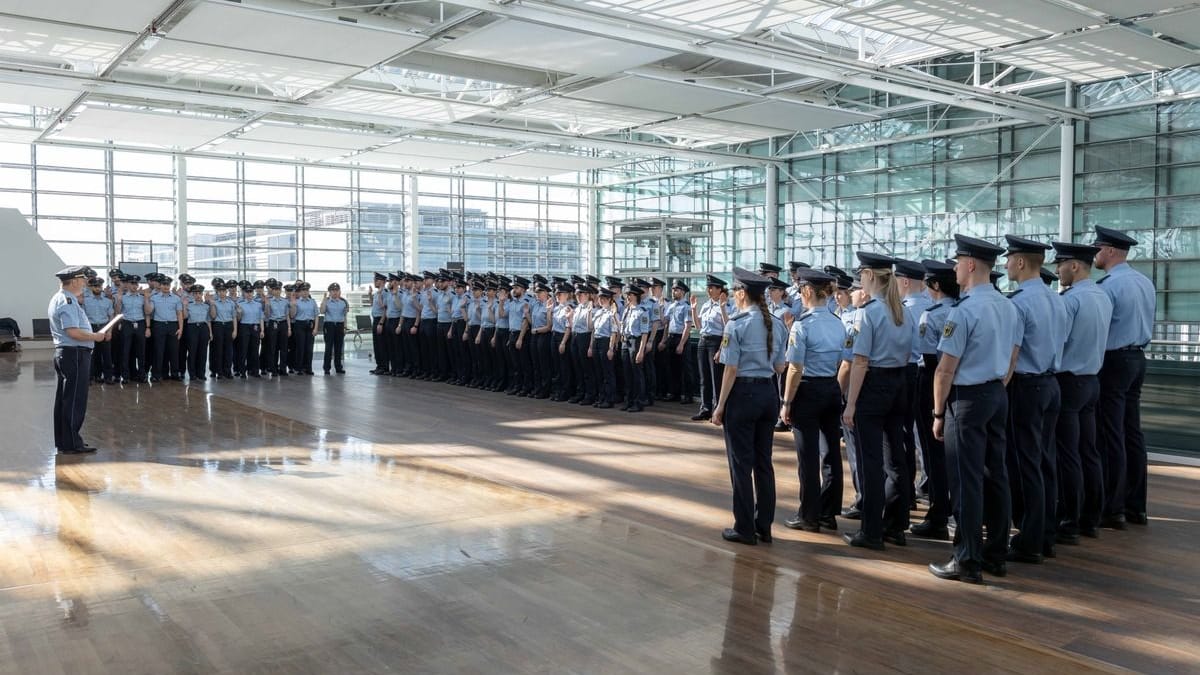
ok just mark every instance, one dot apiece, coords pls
pixel 752 351
pixel 1080 466
pixel 970 411
pixel 73 343
pixel 1120 421
pixel 1033 399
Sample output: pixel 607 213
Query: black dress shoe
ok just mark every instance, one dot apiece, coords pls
pixel 852 513
pixel 604 405
pixel 896 537
pixel 702 415
pixel 1113 522
pixel 730 534
pixel 1136 518
pixel 996 568
pixel 1048 551
pixel 780 426
pixel 764 536
pixel 955 571
pixel 686 401
pixel 829 523
pixel 798 523
pixel 635 408
pixel 1090 531
pixel 1022 557
pixel 860 540
pixel 928 530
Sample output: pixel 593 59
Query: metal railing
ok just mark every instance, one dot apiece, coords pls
pixel 1175 341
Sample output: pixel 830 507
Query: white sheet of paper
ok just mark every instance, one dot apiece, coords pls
pixel 108 326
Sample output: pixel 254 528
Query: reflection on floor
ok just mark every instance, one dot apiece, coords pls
pixel 359 524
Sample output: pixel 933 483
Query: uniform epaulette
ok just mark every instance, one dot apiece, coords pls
pixel 1104 278
pixel 1015 293
pixel 959 301
pixel 739 316
pixel 934 307
pixel 867 303
pixel 806 313
pixel 1066 290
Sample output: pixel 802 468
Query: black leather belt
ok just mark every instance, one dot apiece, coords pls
pixel 335 323
pixel 222 323
pixel 1130 348
pixel 1031 376
pixel 164 323
pixel 823 378
pixel 756 380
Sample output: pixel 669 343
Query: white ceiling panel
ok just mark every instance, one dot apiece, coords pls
pixel 417 108
pixel 283 75
pixel 40 97
pixel 1098 55
pixel 447 150
pixel 31 39
pixel 144 128
pixel 724 18
pixel 698 131
pixel 1184 26
pixel 17 135
pixel 325 138
pixel 675 97
pixel 544 47
pixel 126 15
pixel 511 170
pixel 240 27
pixel 557 161
pixel 586 117
pixel 1126 8
pixel 789 115
pixel 286 150
pixel 966 25
pixel 394 160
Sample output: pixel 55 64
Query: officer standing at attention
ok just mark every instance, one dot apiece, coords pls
pixel 99 310
pixel 72 360
pixel 186 281
pixel 943 289
pixel 561 343
pixel 604 350
pixel 279 329
pixel 539 341
pixel 1080 464
pixel 876 403
pixel 680 386
pixel 223 330
pixel 335 309
pixel 200 311
pixel 581 339
pixel 518 339
pixel 378 313
pixel 635 333
pixel 132 303
pixel 849 318
pixel 1033 400
pixel 910 279
pixel 970 411
pixel 304 323
pixel 1120 432
pixel 710 319
pixel 248 334
pixel 812 403
pixel 166 330
pixel 752 352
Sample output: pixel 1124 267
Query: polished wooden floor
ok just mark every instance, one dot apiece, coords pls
pixel 358 524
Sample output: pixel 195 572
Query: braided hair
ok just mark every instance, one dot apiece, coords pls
pixel 757 296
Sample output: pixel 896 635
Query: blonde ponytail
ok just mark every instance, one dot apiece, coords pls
pixel 891 295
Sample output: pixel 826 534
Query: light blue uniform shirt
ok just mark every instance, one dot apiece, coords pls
pixel 336 310
pixel 1132 297
pixel 816 343
pixel 636 322
pixel 446 302
pixel 603 323
pixel 1061 326
pixel 849 317
pixel 560 318
pixel 487 313
pixel 932 321
pixel 579 321
pixel 745 344
pixel 133 307
pixel 278 308
pixel 981 331
pixel 679 317
pixel 252 310
pixel 916 304
pixel 474 310
pixel 226 309
pixel 1038 325
pixel 379 304
pixel 165 306
pixel 408 304
pixel 197 312
pixel 539 316
pixel 516 312
pixel 781 311
pixel 390 301
pixel 65 312
pixel 428 297
pixel 306 309
pixel 1089 313
pixel 712 321
pixel 99 308
pixel 878 338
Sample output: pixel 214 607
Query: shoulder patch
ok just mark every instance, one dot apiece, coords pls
pixel 922 329
pixel 725 341
pixel 948 330
pixel 70 300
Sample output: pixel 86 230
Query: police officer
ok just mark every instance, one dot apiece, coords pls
pixel 378 316
pixel 910 280
pixel 132 302
pixel 970 411
pixel 426 298
pixel 73 344
pixel 251 313
pixel 540 312
pixel 1120 431
pixel 99 310
pixel 1080 464
pixel 518 338
pixel 166 330
pixel 581 340
pixel 781 308
pixel 335 309
pixel 224 321
pixel 499 342
pixel 710 319
pixel 604 350
pixel 186 281
pixel 200 310
pixel 487 335
pixel 752 351
pixel 1033 400
pixel 561 342
pixel 442 340
pixel 876 401
pixel 849 319
pixel 474 311
pixel 678 346
pixel 635 336
pixel 410 318
pixel 278 318
pixel 812 403
pixel 304 327
pixel 944 291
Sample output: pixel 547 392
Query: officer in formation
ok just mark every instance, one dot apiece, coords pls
pixel 335 309
pixel 100 310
